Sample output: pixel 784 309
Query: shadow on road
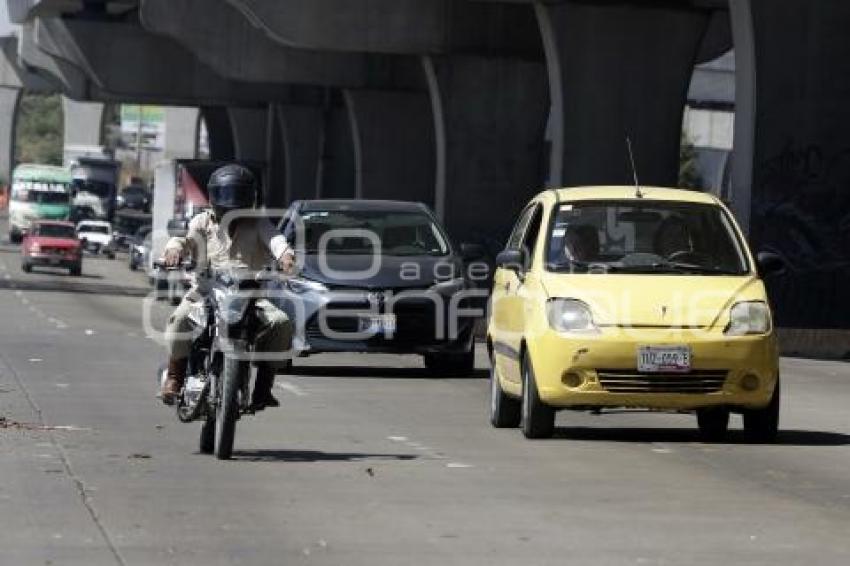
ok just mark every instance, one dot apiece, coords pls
pixel 312 456
pixel 691 435
pixel 373 372
pixel 73 285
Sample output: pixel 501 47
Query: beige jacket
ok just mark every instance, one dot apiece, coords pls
pixel 255 243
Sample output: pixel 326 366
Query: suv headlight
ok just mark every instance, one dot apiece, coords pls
pixel 299 285
pixel 570 315
pixel 750 317
pixel 234 309
pixel 450 286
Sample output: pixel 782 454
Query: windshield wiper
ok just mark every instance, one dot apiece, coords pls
pixel 672 267
pixel 700 268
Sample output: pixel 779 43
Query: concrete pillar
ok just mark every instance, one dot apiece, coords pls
pixel 181 132
pixel 301 128
pixel 249 132
pixel 793 57
pixel 219 132
pixel 9 100
pixel 393 142
pixel 489 123
pixel 83 123
pixel 618 69
pixel 335 177
pixel 275 186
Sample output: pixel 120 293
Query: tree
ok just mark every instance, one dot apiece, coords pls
pixel 39 130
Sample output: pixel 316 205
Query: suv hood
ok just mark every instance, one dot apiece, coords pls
pixel 663 301
pixel 394 272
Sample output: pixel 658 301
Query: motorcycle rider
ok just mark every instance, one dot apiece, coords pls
pixel 247 241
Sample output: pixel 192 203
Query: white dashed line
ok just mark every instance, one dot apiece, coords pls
pixel 292 388
pixel 397 438
pixel 36 360
pixel 459 465
pixel 89 332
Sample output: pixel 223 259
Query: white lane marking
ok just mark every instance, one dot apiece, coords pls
pixel 62 385
pixel 70 427
pixel 292 388
pixel 427 450
pixel 34 360
pixel 662 450
pixel 459 465
pixel 89 332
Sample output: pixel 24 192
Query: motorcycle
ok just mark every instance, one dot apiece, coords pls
pixel 217 386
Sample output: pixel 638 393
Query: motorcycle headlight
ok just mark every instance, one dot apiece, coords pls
pixel 750 317
pixel 234 311
pixel 300 286
pixel 570 315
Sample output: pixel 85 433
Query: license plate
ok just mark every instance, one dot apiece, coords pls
pixel 654 359
pixel 378 324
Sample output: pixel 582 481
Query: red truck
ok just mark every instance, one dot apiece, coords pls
pixel 52 244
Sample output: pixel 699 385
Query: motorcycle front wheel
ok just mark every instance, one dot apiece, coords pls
pixel 233 374
pixel 207 444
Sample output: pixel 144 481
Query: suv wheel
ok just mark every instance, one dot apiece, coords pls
pixel 450 365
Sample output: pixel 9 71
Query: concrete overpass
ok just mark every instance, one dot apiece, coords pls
pixel 473 105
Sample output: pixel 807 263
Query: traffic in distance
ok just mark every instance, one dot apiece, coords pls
pixel 603 297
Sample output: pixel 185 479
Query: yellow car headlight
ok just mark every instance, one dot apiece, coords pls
pixel 749 317
pixel 570 315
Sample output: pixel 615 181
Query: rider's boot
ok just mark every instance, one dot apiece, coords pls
pixel 262 396
pixel 174 380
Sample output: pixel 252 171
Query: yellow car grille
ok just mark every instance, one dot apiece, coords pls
pixel 695 382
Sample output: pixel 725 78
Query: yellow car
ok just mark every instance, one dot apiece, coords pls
pixel 638 297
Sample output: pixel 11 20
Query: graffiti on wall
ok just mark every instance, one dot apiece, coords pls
pixel 801 209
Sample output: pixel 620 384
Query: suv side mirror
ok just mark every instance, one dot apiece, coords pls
pixel 470 252
pixel 770 263
pixel 511 258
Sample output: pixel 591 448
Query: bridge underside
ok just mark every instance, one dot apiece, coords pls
pixel 473 106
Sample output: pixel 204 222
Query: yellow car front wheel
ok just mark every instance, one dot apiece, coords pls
pixel 504 410
pixel 537 418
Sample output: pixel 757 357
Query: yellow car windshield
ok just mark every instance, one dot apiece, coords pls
pixel 644 237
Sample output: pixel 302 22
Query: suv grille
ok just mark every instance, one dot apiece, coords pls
pixel 628 381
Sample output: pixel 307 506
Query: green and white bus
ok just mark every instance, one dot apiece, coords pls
pixel 37 192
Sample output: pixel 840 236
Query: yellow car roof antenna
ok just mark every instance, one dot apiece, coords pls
pixel 638 192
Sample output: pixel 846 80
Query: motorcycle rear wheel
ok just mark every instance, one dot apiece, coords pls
pixel 233 374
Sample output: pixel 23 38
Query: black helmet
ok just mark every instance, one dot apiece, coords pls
pixel 231 187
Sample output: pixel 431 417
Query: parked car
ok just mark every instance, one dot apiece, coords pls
pixel 625 297
pixel 379 276
pixel 96 237
pixel 52 244
pixel 139 248
pixel 135 197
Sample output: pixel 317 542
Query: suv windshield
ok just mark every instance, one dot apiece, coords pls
pixel 55 231
pixel 371 231
pixel 645 237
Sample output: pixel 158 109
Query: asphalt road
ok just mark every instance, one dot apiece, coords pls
pixel 370 461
